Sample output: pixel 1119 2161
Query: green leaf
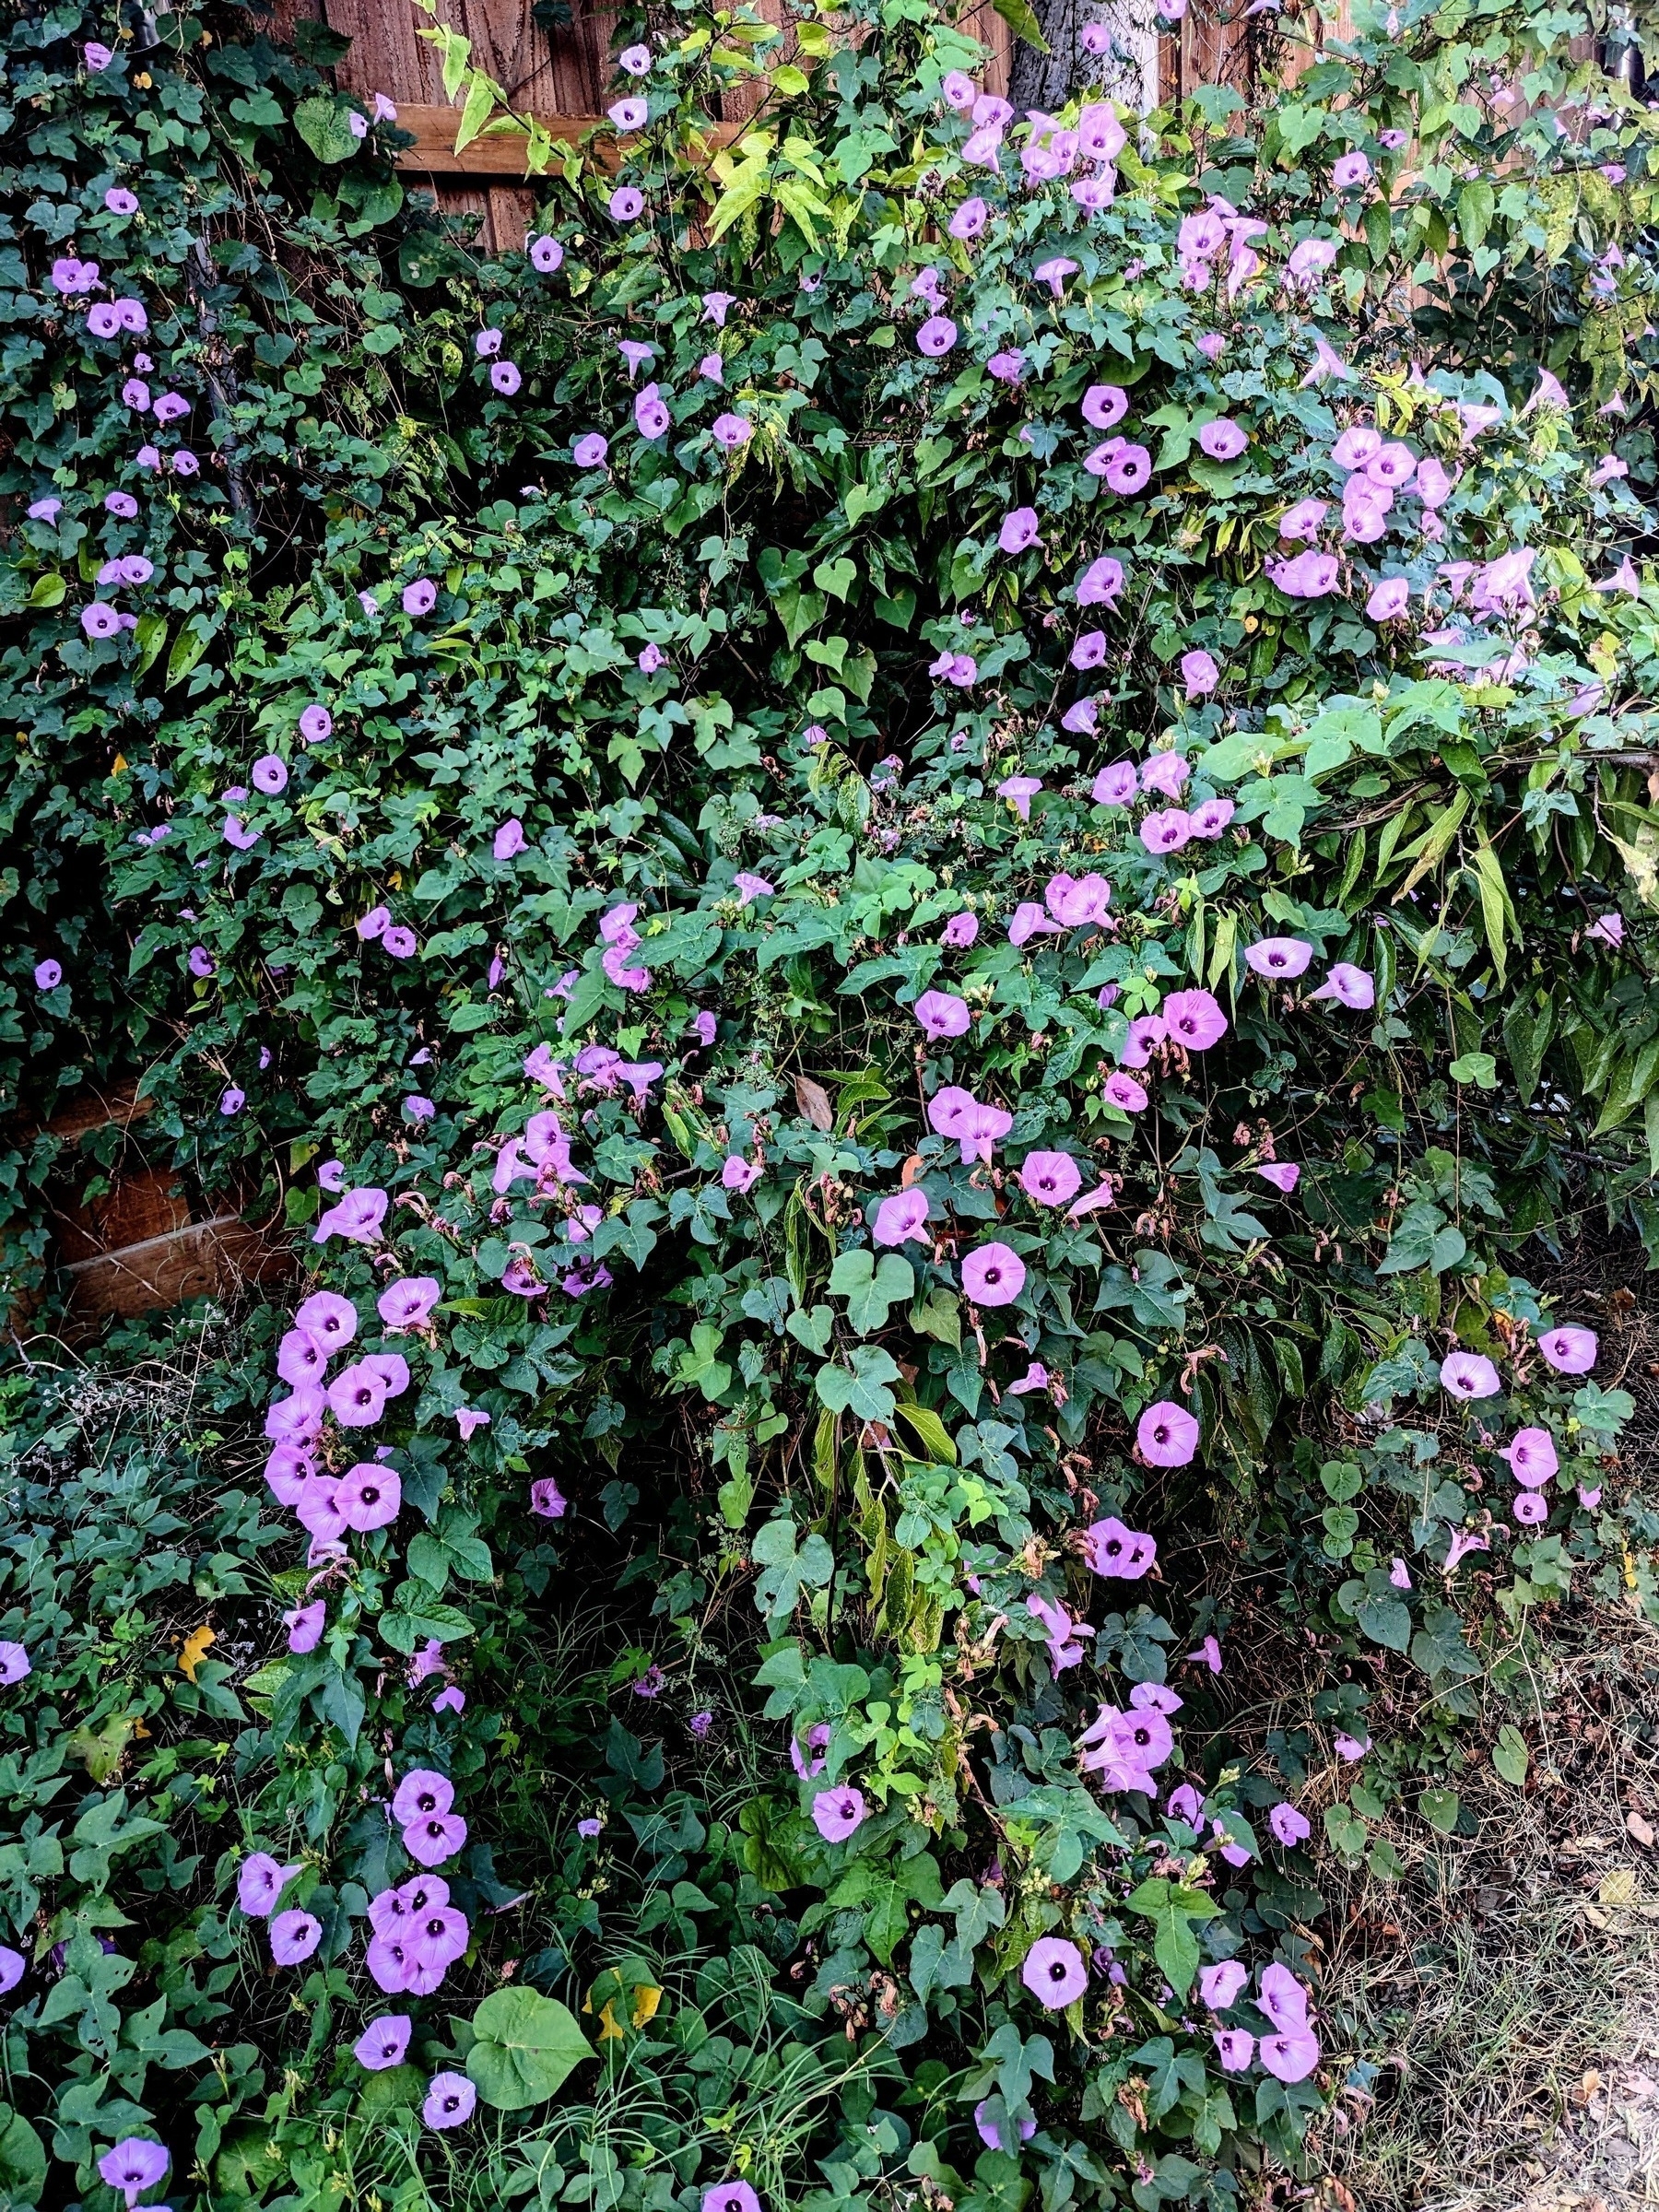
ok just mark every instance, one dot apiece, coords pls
pixel 1346 1832
pixel 871 1288
pixel 392 2090
pixel 930 1431
pixel 1386 1620
pixel 1475 205
pixel 481 98
pixel 813 1328
pixel 1441 1808
pixel 701 1364
pixel 22 2160
pixel 1509 1754
pixel 836 577
pixel 49 590
pixel 787 1570
pixel 188 649
pixel 939 1315
pixel 150 636
pixel 1022 23
pixel 1479 1068
pixel 323 124
pixel 526 2046
pixel 862 1389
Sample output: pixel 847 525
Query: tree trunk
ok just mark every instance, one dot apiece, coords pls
pixel 1129 72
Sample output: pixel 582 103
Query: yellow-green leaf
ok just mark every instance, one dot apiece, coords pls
pixel 481 98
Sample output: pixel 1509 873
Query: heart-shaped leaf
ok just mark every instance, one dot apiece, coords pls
pixel 526 2046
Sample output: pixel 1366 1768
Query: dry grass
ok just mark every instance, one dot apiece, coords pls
pixel 1508 1989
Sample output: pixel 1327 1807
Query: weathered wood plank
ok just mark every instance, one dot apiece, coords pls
pixel 494 155
pixel 208 1259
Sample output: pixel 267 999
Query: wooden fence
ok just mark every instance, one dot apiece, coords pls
pixel 567 75
pixel 139 1246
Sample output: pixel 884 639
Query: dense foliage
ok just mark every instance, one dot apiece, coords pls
pixel 915 861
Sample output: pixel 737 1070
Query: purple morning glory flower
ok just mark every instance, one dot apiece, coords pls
pixel 135 2164
pixel 294 1937
pixel 1222 439
pixel 48 975
pixel 259 1881
pixel 900 1218
pixel 942 1013
pixel 419 597
pixel 449 2100
pixel 385 2042
pixel 545 254
pixel 1350 986
pixel 1054 1973
pixel 1050 1178
pixel 1569 1350
pixel 1469 1375
pixel 1166 1435
pixel 992 1275
pixel 838 1813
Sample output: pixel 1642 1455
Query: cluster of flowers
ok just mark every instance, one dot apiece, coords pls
pixel 1531 1451
pixel 417 1935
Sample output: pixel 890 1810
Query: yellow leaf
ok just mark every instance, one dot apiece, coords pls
pixel 118 766
pixel 1640 859
pixel 645 2002
pixel 195 1650
pixel 608 2029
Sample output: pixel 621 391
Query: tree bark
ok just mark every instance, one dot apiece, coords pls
pixel 1129 74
